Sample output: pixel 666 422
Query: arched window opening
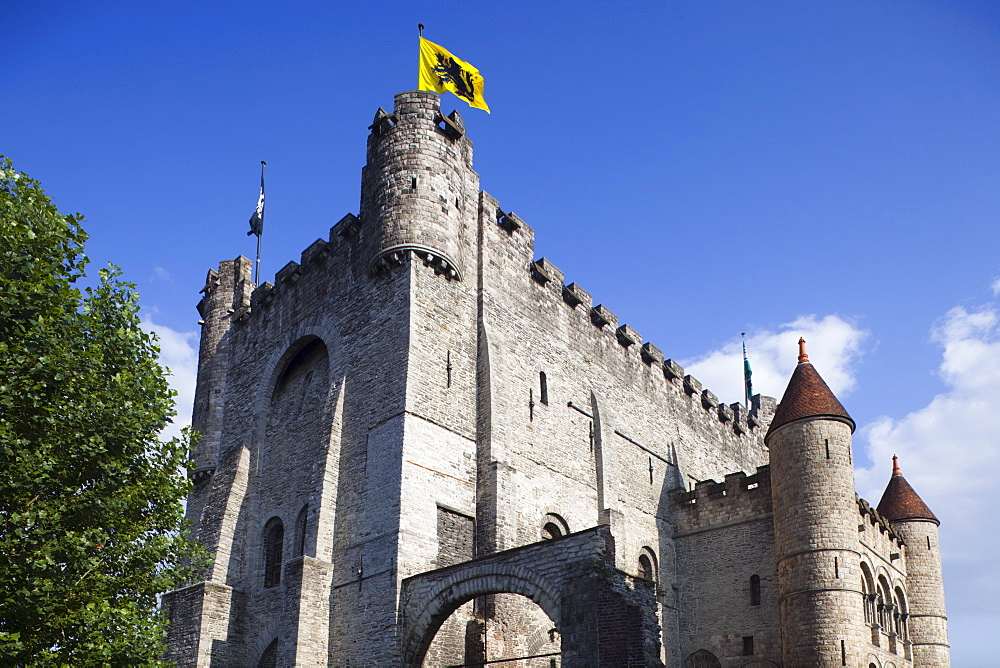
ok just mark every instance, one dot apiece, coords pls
pixel 645 568
pixel 884 606
pixel 702 659
pixel 269 658
pixel 647 564
pixel 902 616
pixel 868 594
pixel 543 388
pixel 300 531
pixel 274 537
pixel 554 526
pixel 754 590
pixel 551 530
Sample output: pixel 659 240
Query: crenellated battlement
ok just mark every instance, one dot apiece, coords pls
pixel 871 519
pixel 547 275
pixel 711 503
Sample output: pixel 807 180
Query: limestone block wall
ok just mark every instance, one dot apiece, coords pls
pixel 928 621
pixel 727 579
pixel 816 543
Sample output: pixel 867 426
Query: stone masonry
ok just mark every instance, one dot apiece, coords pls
pixel 421 445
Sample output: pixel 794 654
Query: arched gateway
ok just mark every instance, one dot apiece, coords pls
pixel 571 578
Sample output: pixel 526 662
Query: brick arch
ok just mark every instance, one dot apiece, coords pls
pixel 572 579
pixel 465 585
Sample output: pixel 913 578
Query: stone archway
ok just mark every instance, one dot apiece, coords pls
pixel 601 619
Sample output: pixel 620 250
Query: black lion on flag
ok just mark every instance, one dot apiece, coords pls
pixel 451 72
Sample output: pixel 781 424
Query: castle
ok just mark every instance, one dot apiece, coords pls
pixel 420 446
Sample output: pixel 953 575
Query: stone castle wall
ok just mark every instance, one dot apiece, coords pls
pixel 418 390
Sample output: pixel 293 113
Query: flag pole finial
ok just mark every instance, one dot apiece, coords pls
pixel 803 357
pixel 895 466
pixel 420 29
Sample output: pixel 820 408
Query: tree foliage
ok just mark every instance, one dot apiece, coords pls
pixel 90 497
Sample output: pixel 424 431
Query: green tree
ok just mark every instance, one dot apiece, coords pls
pixel 90 496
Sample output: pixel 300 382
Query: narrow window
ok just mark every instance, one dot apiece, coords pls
pixel 647 564
pixel 928 542
pixel 754 590
pixel 543 387
pixel 843 653
pixel 827 442
pixel 650 470
pixel 645 567
pixel 747 645
pixel 274 536
pixel 531 405
pixel 836 568
pixel 300 531
pixel 850 455
pixel 413 183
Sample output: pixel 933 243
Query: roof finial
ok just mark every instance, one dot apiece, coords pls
pixel 895 466
pixel 803 357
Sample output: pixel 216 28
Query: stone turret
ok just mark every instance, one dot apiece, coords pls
pixel 815 523
pixel 418 191
pixel 226 291
pixel 914 521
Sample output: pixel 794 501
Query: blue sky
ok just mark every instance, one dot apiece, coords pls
pixel 703 169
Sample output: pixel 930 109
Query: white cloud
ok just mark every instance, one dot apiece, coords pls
pixel 948 450
pixel 996 287
pixel 834 345
pixel 161 274
pixel 179 354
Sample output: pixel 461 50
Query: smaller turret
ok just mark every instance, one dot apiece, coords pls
pixel 225 291
pixel 815 523
pixel 917 525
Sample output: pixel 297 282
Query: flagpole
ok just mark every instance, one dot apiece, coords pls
pixel 257 224
pixel 256 266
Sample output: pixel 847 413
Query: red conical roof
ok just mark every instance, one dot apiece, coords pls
pixel 807 396
pixel 900 503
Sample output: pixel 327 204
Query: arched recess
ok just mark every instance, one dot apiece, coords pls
pixel 453 593
pixel 554 526
pixel 269 657
pixel 702 659
pixel 648 568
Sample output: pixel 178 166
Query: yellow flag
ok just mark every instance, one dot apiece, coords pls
pixel 440 71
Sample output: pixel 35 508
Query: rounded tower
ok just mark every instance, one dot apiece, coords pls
pixel 916 524
pixel 815 523
pixel 418 191
pixel 221 297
